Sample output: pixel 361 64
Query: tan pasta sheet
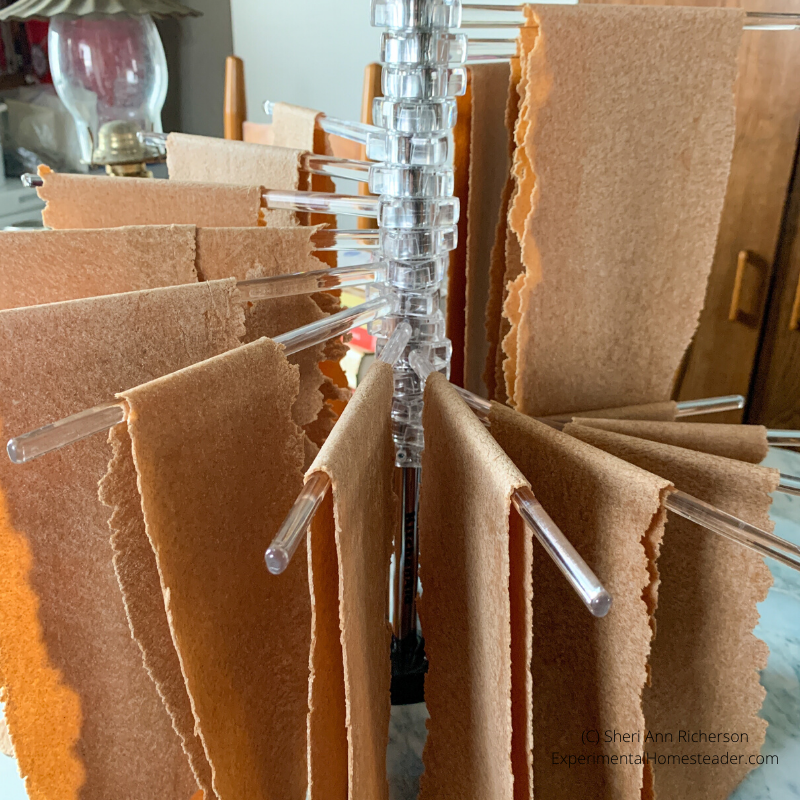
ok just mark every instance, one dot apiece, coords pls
pixel 664 411
pixel 474 609
pixel 358 528
pixel 489 168
pixel 219 464
pixel 51 266
pixel 266 252
pixel 624 144
pixel 204 159
pixel 705 659
pixel 90 201
pixel 66 652
pixel 588 674
pixel 741 442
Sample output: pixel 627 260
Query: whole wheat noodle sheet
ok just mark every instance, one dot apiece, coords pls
pixel 85 719
pixel 138 577
pixel 740 442
pixel 489 167
pixel 355 536
pixel 628 120
pixel 205 159
pixel 91 201
pixel 496 324
pixel 588 674
pixel 219 464
pixel 664 411
pixel 52 266
pixel 705 659
pixel 474 608
pixel 267 252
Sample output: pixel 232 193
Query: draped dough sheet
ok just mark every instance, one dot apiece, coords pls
pixel 355 537
pixel 66 652
pixel 294 126
pixel 219 464
pixel 475 562
pixel 488 171
pixel 52 266
pixel 204 159
pixel 624 144
pixel 588 673
pixel 137 574
pixel 664 412
pixel 494 303
pixel 496 324
pixel 91 201
pixel 264 252
pixel 740 442
pixel 710 587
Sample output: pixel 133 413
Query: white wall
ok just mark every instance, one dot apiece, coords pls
pixel 196 50
pixel 310 52
pixel 307 52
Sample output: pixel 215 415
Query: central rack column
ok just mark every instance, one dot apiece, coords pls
pixel 422 75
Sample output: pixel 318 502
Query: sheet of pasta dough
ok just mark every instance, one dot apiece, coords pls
pixel 489 168
pixel 52 266
pixel 66 652
pixel 664 411
pixel 625 134
pixel 266 252
pixel 92 201
pixel 219 464
pixel 358 457
pixel 205 159
pixel 740 442
pixel 474 608
pixel 705 659
pixel 588 674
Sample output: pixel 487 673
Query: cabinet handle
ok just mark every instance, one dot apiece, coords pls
pixel 794 320
pixel 736 312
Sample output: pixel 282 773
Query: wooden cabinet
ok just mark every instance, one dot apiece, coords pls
pixel 774 398
pixel 723 357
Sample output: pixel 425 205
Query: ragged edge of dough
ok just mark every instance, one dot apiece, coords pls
pixel 236 309
pixel 115 492
pixel 533 96
pixel 43 714
pixel 494 310
pixel 652 539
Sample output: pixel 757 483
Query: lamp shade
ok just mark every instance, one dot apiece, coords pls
pixel 45 9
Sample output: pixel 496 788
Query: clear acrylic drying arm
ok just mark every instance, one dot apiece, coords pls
pixel 709 517
pixel 28 446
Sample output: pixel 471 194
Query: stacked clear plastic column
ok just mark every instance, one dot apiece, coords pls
pixel 418 214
